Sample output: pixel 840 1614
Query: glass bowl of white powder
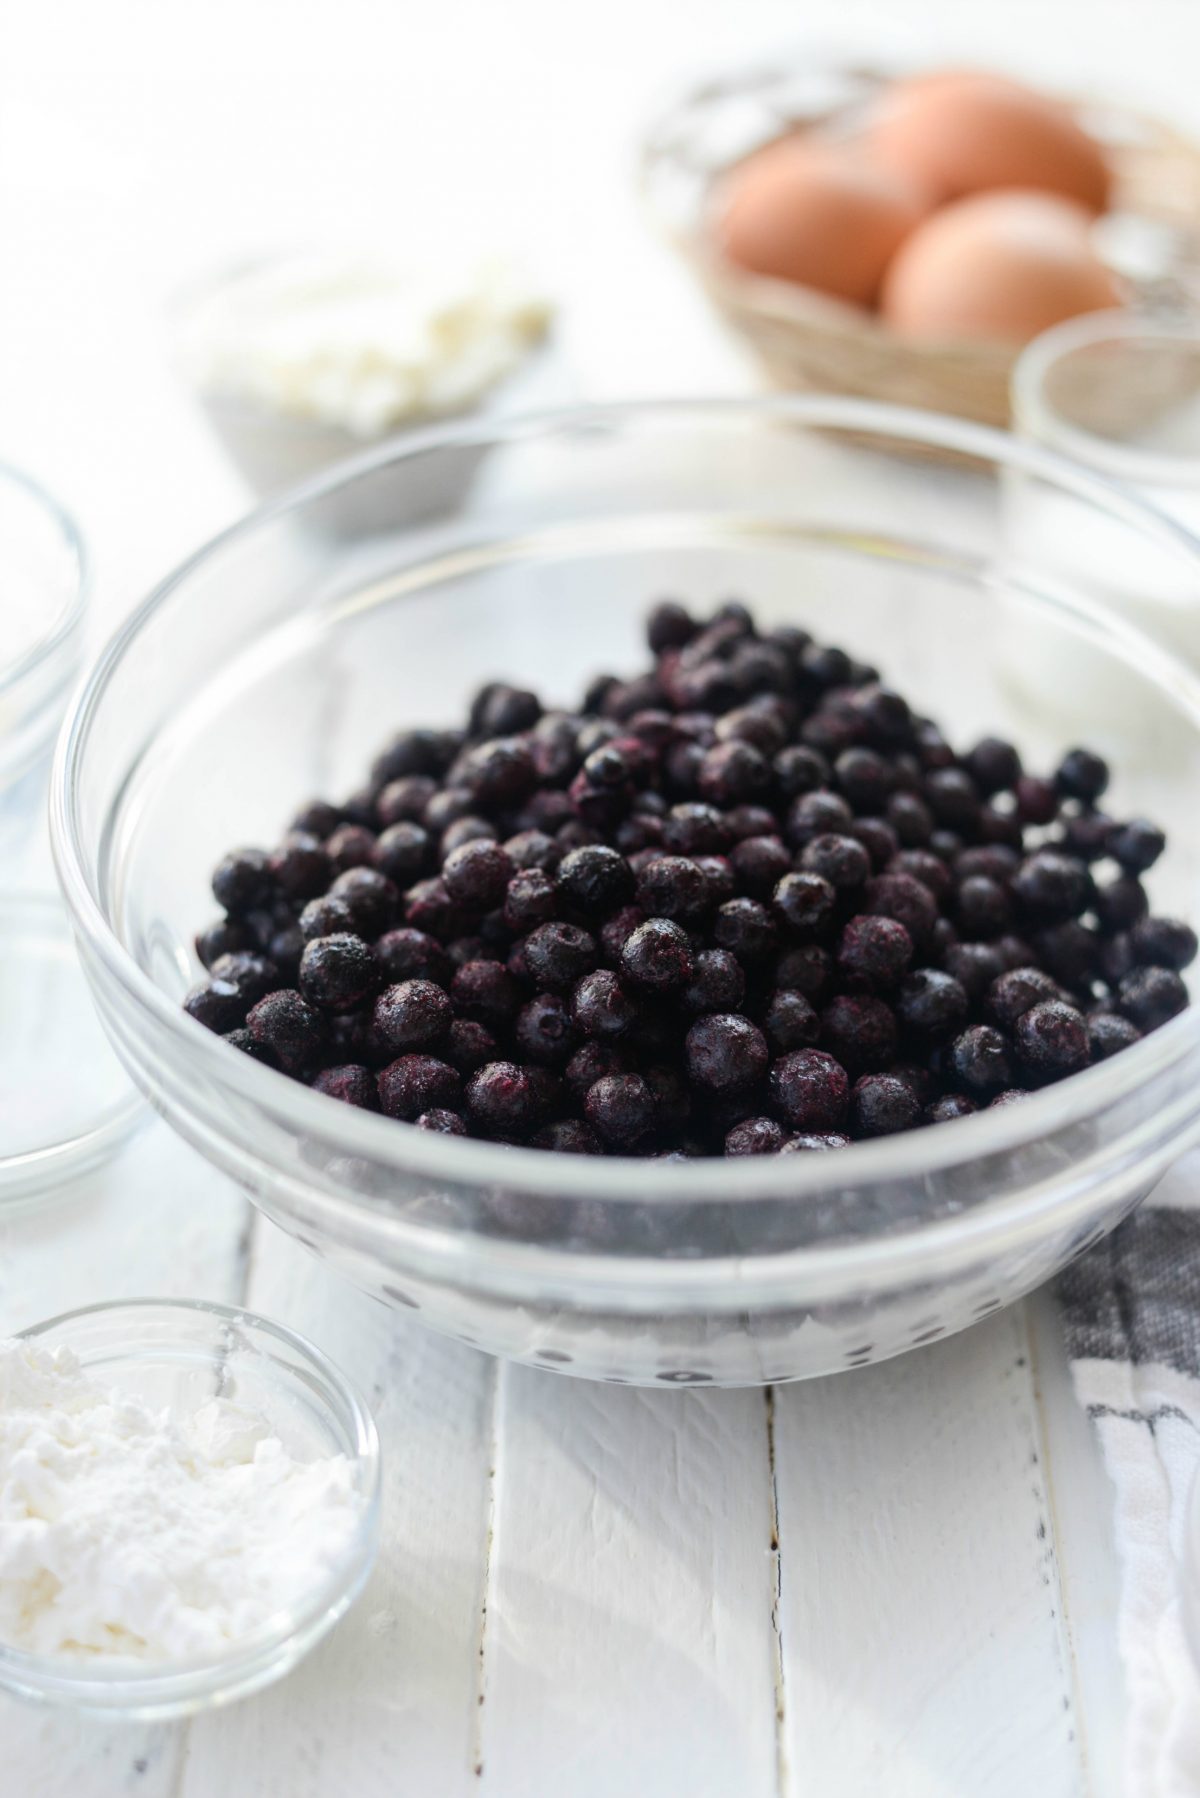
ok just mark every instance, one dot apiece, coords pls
pixel 43 591
pixel 189 1501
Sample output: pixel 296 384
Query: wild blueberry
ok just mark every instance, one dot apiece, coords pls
pixel 224 937
pixel 477 874
pixel 1037 800
pixel 468 1045
pixel 301 867
pixel 979 1059
pixel 983 907
pixel 1108 1034
pixel 569 1136
pixel 1149 997
pixel 974 965
pixel 816 814
pixel 859 1031
pixel 338 972
pixel 287 1025
pixel 408 954
pixel 755 1136
pixel 558 954
pixel 417 1083
pixel 874 950
pixel 805 903
pixel 725 1053
pixel 601 1006
pixel 932 1004
pixel 910 818
pixel 1137 845
pixel 799 769
pixel 746 928
pixel 907 900
pixel 657 956
pixel 717 983
pixel 403 801
pixel 1081 775
pixel 442 1122
pixel 620 1108
pixel 950 1105
pixel 810 1091
pixel 351 846
pixel 595 880
pixel 1163 942
pixel 412 1015
pixel 732 772
pixel 373 899
pixel 1050 885
pixel 1052 1039
pixel 499 772
pixel 429 908
pixel 486 991
pixel 672 886
pixel 880 1105
pixel 789 1022
pixel 807 969
pixel 994 766
pixel 352 1084
pixel 1120 902
pixel 243 880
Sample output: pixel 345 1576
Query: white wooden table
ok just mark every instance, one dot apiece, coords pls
pixel 898 1581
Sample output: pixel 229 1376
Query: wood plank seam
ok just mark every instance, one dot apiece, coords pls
pixel 486 1604
pixel 1043 1450
pixel 781 1765
pixel 245 1250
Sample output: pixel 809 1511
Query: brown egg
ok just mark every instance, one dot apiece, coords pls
pixel 1001 267
pixel 958 133
pixel 825 218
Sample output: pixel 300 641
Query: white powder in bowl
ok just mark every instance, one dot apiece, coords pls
pixel 130 1531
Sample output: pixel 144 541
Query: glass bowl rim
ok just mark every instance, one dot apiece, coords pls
pixel 131 1684
pixel 71 613
pixel 1034 413
pixel 912 1154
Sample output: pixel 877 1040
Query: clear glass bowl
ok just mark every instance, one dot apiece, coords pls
pixel 271 666
pixel 182 1353
pixel 65 1102
pixel 43 574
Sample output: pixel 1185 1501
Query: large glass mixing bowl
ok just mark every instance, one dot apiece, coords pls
pixel 271 666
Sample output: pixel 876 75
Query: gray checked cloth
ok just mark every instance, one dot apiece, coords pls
pixel 1131 1309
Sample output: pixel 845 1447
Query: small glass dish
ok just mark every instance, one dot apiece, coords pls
pixel 44 573
pixel 182 1353
pixel 1119 393
pixel 66 1103
pixel 273 446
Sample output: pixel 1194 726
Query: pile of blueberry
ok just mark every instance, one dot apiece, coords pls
pixel 746 903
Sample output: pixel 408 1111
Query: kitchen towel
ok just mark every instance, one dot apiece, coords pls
pixel 1131 1308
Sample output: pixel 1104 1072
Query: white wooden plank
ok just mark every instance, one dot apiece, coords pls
pixel 629 1644
pixel 923 1644
pixel 1081 1500
pixel 387 1705
pixel 157 1221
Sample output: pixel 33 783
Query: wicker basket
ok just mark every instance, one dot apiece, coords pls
pixel 807 340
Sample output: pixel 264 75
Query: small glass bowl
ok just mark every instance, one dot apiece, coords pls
pixel 44 571
pixel 183 1353
pixel 66 1103
pixel 273 449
